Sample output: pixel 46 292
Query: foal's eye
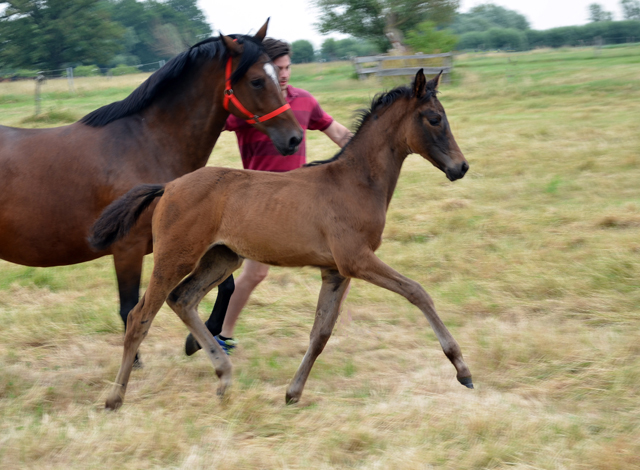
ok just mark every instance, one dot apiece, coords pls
pixel 435 120
pixel 257 83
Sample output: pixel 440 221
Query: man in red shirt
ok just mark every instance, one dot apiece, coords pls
pixel 259 153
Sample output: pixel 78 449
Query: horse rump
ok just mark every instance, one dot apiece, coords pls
pixel 120 216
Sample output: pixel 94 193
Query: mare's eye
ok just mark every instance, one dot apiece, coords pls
pixel 257 83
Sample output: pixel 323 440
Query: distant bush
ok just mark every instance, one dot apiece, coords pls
pixel 124 70
pixel 86 71
pixel 428 40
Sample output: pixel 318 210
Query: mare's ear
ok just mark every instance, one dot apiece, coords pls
pixel 262 32
pixel 434 82
pixel 419 84
pixel 233 46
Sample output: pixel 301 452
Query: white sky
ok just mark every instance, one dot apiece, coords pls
pixel 293 19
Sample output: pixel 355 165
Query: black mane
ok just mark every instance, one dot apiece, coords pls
pixel 379 102
pixel 149 90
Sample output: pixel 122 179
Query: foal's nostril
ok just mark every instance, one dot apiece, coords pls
pixel 464 168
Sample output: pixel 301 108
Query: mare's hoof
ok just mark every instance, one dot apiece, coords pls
pixel 466 381
pixel 191 346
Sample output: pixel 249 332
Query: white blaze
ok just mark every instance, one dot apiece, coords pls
pixel 271 71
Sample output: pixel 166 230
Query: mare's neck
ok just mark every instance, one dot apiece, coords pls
pixel 376 153
pixel 185 123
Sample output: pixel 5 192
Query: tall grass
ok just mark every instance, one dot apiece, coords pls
pixel 533 260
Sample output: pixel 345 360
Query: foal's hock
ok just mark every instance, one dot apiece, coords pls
pixel 329 214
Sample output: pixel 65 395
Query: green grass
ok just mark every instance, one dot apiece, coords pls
pixel 533 261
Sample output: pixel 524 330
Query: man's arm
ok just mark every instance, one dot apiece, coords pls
pixel 338 133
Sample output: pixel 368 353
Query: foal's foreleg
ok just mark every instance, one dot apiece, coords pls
pixel 333 289
pixel 370 268
pixel 213 268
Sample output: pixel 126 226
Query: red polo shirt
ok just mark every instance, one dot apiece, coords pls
pixel 259 153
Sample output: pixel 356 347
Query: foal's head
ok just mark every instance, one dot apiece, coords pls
pixel 428 131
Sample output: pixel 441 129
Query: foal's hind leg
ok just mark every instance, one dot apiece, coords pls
pixel 333 288
pixel 213 268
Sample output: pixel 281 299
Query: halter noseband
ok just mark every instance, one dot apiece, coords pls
pixel 230 96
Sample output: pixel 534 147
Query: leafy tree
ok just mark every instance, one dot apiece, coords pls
pixel 53 34
pixel 428 40
pixel 597 13
pixel 157 30
pixel 630 9
pixel 344 49
pixel 487 16
pixel 302 52
pixel 375 19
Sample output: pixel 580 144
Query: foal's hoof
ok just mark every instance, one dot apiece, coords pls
pixel 113 403
pixel 466 381
pixel 191 346
pixel 290 399
pixel 137 363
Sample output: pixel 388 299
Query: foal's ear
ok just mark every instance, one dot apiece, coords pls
pixel 233 46
pixel 434 82
pixel 419 84
pixel 262 32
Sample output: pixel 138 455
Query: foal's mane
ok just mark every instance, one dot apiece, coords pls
pixel 153 86
pixel 380 101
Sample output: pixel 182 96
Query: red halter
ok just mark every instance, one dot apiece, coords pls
pixel 230 96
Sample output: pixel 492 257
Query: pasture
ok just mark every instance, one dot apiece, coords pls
pixel 532 260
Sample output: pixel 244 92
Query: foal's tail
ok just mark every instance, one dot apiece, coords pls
pixel 121 215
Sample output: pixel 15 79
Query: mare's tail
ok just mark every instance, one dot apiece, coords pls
pixel 121 215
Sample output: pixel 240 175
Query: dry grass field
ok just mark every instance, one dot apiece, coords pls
pixel 533 261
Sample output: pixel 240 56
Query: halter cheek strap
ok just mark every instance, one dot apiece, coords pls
pixel 230 96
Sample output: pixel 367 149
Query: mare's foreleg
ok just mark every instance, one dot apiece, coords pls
pixel 214 267
pixel 368 267
pixel 333 289
pixel 216 319
pixel 128 265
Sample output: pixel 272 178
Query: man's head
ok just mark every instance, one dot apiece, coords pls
pixel 280 54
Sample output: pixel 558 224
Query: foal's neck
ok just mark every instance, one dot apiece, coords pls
pixel 377 151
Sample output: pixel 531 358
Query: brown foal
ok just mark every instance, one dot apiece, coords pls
pixel 329 214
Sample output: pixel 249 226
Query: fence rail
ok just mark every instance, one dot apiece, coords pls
pixel 389 65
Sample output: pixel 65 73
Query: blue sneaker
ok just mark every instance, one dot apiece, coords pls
pixel 228 345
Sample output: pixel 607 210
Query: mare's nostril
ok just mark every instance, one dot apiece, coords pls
pixel 294 142
pixel 464 168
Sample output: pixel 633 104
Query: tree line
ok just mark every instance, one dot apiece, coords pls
pixel 55 34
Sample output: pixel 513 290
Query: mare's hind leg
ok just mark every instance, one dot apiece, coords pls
pixel 216 319
pixel 128 265
pixel 214 267
pixel 333 289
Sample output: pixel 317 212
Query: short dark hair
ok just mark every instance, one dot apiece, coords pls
pixel 276 48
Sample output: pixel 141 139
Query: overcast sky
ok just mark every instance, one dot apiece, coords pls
pixel 293 19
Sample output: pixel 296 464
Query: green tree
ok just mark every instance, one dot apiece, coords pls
pixel 428 40
pixel 53 34
pixel 302 52
pixel 375 20
pixel 597 13
pixel 157 30
pixel 487 16
pixel 345 49
pixel 630 9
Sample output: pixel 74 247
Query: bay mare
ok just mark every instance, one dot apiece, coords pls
pixel 56 182
pixel 330 214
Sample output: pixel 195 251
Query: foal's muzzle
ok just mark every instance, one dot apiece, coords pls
pixel 457 172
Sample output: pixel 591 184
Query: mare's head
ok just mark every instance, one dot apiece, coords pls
pixel 255 93
pixel 428 132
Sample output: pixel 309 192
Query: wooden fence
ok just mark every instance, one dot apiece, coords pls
pixel 389 65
